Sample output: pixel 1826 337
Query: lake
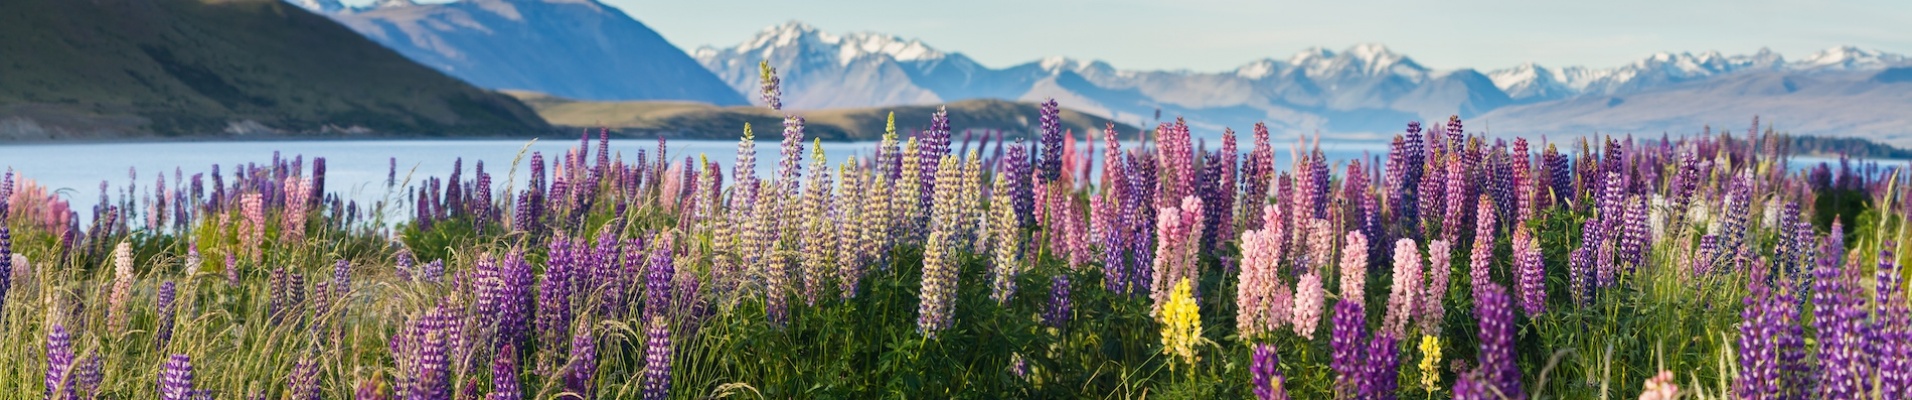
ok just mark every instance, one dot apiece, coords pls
pixel 358 169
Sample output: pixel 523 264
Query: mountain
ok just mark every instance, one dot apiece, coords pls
pixel 1364 91
pixel 109 69
pixel 572 48
pixel 704 121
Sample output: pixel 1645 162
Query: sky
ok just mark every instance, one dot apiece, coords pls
pixel 1219 35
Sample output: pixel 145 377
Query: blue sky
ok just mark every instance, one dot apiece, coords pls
pixel 1214 35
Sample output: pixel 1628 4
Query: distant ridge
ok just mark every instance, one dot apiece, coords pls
pixel 702 121
pixel 114 69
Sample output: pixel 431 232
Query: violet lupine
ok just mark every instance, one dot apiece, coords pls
pixel 167 292
pixel 771 87
pixel 1051 124
pixel 87 376
pixel 1309 301
pixel 504 375
pixel 1265 370
pixel 932 146
pixel 657 359
pixel 1582 271
pixel 176 378
pixel 1349 350
pixel 1524 188
pixel 554 304
pixel 1759 373
pixel 1891 339
pixel 1838 318
pixel 59 363
pixel 1404 292
pixel 1381 372
pixel 1496 315
pixel 1257 170
pixel 1056 313
pixel 1430 309
pixel 1530 275
pixel 303 382
pixel 1633 233
pixel 1704 254
pixel 1354 268
pixel 578 379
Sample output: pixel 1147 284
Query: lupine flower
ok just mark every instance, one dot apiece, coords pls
pixel 939 285
pixel 1838 318
pixel 59 363
pixel 1891 339
pixel 88 374
pixel 1497 367
pixel 1530 274
pixel 1381 378
pixel 1430 362
pixel 1266 372
pixel 165 329
pixel 1005 243
pixel 1348 348
pixel 1431 308
pixel 657 359
pixel 1056 314
pixel 303 382
pixel 176 378
pixel 1256 312
pixel 1051 124
pixel 1181 324
pixel 772 90
pixel 1309 300
pixel 122 286
pixel 1479 261
pixel 583 364
pixel 1354 267
pixel 252 230
pixel 1176 251
pixel 1758 351
pixel 1403 293
pixel 504 375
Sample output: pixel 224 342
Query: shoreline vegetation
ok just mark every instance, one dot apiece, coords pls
pixel 1454 266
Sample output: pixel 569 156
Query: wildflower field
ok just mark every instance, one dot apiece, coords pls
pixel 1454 266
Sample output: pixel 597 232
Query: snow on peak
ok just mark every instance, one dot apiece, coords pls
pixel 846 48
pixel 1259 69
pixel 1845 58
pixel 323 6
pixel 394 3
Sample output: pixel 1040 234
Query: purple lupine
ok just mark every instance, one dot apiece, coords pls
pixel 167 292
pixel 657 280
pixel 504 375
pixel 1838 318
pixel 1382 369
pixel 1266 372
pixel 1560 180
pixel 1633 233
pixel 1349 348
pixel 59 363
pixel 1057 313
pixel 657 359
pixel 933 144
pixel 303 382
pixel 1530 272
pixel 176 378
pixel 554 305
pixel 1257 171
pixel 88 374
pixel 1017 172
pixel 1891 339
pixel 1050 116
pixel 1704 255
pixel 1496 314
pixel 1758 351
pixel 342 278
pixel 583 364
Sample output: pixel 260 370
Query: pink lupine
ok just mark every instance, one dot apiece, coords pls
pixel 1354 267
pixel 1309 302
pixel 1480 259
pixel 1530 274
pixel 1403 293
pixel 297 191
pixel 252 230
pixel 1260 256
pixel 1177 249
pixel 1439 259
pixel 122 286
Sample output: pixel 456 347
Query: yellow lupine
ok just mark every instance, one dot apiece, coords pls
pixel 1181 323
pixel 1430 358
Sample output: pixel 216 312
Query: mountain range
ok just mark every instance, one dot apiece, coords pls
pixel 1360 91
pixel 579 49
pixel 117 69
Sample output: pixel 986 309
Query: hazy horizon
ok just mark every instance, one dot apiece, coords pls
pixel 1219 35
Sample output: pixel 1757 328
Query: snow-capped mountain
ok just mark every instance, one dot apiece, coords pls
pixel 579 49
pixel 1364 88
pixel 320 6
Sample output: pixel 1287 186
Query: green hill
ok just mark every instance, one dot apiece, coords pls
pixel 704 121
pixel 112 69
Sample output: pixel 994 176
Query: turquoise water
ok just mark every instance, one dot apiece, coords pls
pixel 358 169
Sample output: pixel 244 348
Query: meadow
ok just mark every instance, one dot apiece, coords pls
pixel 1456 265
